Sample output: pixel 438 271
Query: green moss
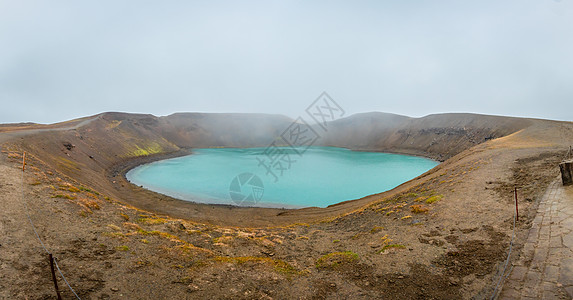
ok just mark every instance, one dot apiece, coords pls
pixel 69 197
pixel 336 259
pixel 300 224
pixel 122 248
pixel 158 233
pixel 278 265
pixel 376 229
pixel 151 148
pixel 69 188
pixel 434 199
pixel 85 213
pixel 115 234
pixel 358 235
pixel 151 221
pixel 84 189
pixel 397 246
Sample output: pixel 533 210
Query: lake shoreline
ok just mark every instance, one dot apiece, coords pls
pixel 216 193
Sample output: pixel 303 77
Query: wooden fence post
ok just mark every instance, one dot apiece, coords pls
pixel 516 206
pixel 54 276
pixel 566 168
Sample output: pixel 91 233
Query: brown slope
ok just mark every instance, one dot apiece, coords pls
pixel 438 136
pixel 88 152
pixel 98 153
pixel 366 131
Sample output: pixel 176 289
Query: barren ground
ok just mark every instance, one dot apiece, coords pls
pixel 443 235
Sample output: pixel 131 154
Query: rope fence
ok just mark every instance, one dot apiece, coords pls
pixel 52 259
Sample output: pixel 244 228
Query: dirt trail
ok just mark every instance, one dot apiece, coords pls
pixel 20 250
pixel 14 134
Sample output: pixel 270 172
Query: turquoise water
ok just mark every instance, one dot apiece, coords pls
pixel 317 176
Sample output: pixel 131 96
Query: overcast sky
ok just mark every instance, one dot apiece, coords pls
pixel 65 59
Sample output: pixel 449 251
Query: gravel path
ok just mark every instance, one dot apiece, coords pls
pixel 545 267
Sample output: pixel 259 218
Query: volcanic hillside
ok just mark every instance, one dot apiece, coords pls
pixel 106 145
pixel 442 235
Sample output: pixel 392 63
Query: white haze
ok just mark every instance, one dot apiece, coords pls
pixel 65 59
